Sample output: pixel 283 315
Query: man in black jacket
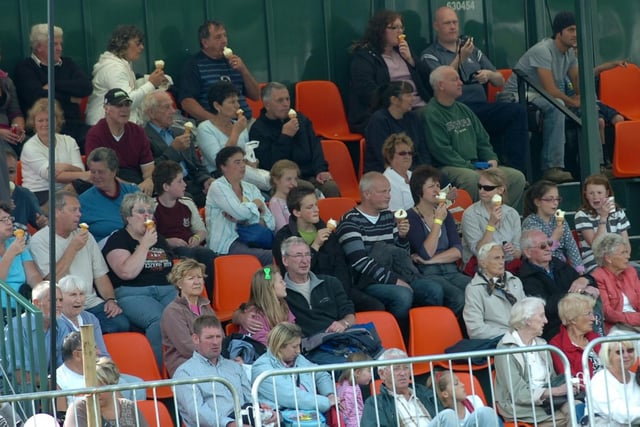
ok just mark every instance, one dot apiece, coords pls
pixel 550 278
pixel 287 134
pixel 71 83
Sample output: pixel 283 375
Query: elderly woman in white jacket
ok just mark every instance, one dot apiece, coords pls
pixel 614 398
pixel 114 70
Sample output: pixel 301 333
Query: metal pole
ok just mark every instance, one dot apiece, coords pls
pixel 590 146
pixel 52 190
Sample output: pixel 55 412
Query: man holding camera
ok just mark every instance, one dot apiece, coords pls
pixel 505 123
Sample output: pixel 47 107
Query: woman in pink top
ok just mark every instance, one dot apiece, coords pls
pixel 177 319
pixel 266 306
pixel 618 283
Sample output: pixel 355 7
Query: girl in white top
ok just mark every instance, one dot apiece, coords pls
pixel 470 408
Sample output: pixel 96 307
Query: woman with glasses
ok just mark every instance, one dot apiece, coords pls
pixel 382 56
pixel 490 219
pixel 541 212
pixel 114 70
pixel 393 114
pixel 618 282
pixel 576 312
pixel 615 393
pixel 139 261
pixel 550 278
pixel 17 268
pixel 434 240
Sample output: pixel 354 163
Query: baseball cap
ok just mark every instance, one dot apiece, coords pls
pixel 116 97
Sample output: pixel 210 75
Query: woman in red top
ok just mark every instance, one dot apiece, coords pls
pixel 618 283
pixel 576 313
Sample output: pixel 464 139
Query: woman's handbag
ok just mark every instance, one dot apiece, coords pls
pixel 255 235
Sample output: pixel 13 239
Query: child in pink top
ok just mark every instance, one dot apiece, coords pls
pixel 266 306
pixel 349 390
pixel 284 177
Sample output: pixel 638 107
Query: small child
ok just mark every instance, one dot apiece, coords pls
pixel 349 391
pixel 452 394
pixel 284 177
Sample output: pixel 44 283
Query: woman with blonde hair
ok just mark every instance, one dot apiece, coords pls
pixel 35 153
pixel 266 307
pixel 112 410
pixel 177 319
pixel 490 219
pixel 310 391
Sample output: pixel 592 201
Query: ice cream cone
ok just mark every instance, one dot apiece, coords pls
pixel 400 215
pixel 159 64
pixel 560 216
pixel 496 200
pixel 150 224
pixel 442 197
pixel 401 37
pixel 292 114
pixel 227 52
pixel 188 127
pixel 332 224
pixel 19 233
pixel 240 112
pixel 84 226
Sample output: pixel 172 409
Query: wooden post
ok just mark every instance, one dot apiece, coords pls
pixel 89 357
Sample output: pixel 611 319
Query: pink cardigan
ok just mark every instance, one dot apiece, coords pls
pixel 611 289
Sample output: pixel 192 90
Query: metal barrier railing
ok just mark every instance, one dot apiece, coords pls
pixel 433 364
pixel 23 359
pixel 25 405
pixel 631 406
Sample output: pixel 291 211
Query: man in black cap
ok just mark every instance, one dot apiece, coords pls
pixel 548 63
pixel 126 138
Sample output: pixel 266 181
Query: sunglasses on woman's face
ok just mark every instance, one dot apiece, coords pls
pixel 487 187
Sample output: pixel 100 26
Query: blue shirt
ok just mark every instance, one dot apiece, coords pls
pixel 16 276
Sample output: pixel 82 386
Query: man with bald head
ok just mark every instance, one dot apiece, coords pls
pixel 457 141
pixel 506 123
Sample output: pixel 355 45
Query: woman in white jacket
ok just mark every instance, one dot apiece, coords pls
pixel 114 70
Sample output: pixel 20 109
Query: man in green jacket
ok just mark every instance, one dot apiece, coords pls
pixel 457 140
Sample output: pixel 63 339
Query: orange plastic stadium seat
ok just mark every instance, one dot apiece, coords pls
pixel 625 150
pixel 492 90
pixel 19 173
pixel 386 326
pixel 619 89
pixel 431 331
pixel 362 148
pixel 120 346
pixel 233 274
pixel 341 168
pixel 155 413
pixel 335 207
pixel 462 202
pixel 321 102
pixel 256 106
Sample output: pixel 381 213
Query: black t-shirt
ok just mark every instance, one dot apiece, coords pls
pixel 156 266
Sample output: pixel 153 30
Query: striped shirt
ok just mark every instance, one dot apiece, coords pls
pixel 617 222
pixel 357 235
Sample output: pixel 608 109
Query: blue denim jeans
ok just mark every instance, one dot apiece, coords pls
pixel 553 138
pixel 452 282
pixel 119 323
pixel 396 299
pixel 143 305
